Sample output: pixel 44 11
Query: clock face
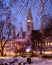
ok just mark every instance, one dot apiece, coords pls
pixel 28 20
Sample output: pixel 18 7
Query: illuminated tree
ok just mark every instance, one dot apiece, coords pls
pixel 5 34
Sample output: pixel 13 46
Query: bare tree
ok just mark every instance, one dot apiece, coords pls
pixel 5 34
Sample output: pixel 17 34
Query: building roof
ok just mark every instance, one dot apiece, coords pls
pixel 23 34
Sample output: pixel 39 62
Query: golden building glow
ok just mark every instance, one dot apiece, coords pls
pixel 48 52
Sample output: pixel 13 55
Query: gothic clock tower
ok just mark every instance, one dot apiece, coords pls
pixel 29 23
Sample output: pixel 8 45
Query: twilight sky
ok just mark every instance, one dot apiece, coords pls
pixel 19 11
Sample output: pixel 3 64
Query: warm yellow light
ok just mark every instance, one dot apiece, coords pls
pixel 51 44
pixel 46 44
pixel 18 54
pixel 48 52
pixel 12 53
pixel 28 20
pixel 18 46
pixel 5 57
pixel 34 51
pixel 7 53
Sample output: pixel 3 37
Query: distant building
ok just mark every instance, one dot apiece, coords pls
pixel 23 38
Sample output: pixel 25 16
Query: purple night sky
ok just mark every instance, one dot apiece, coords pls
pixel 17 17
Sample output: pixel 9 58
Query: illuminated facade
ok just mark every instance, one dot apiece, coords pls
pixel 24 37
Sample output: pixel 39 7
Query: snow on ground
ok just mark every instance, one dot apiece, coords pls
pixel 34 61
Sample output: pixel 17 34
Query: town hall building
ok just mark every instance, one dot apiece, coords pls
pixel 22 38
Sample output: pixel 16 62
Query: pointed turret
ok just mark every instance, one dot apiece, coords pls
pixel 29 16
pixel 21 31
pixel 13 33
pixel 41 28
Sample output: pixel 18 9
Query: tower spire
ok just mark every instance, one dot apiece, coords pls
pixel 21 31
pixel 29 23
pixel 13 33
pixel 21 27
pixel 29 16
pixel 41 28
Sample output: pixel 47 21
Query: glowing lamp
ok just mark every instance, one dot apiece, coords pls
pixel 28 49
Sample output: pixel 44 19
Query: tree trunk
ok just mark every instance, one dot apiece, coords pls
pixel 2 51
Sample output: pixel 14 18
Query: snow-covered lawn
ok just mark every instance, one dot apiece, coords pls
pixel 34 61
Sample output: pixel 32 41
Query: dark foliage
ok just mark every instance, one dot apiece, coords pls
pixel 36 36
pixel 48 29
